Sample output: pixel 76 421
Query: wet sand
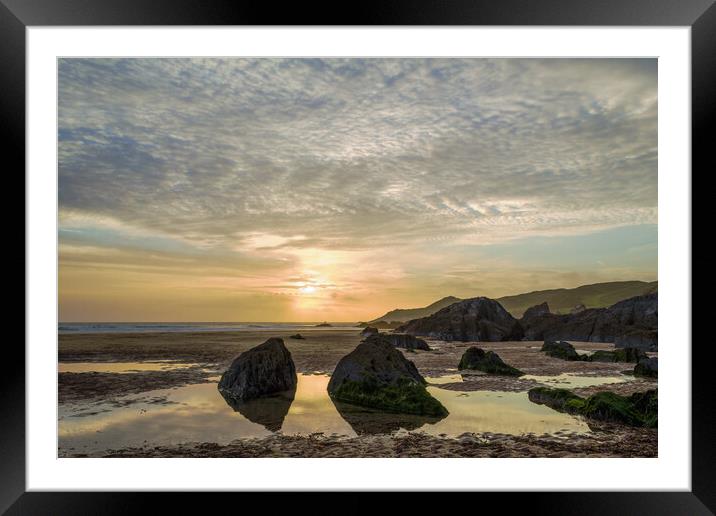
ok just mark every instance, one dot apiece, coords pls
pixel 210 353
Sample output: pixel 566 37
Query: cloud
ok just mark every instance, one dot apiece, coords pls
pixel 286 160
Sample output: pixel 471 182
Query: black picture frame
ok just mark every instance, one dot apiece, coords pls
pixel 700 15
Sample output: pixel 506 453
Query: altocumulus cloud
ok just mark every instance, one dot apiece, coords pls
pixel 340 151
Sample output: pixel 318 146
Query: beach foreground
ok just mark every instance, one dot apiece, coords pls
pixel 153 395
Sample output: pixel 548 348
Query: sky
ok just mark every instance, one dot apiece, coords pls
pixel 338 189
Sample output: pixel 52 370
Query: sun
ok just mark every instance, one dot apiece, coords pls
pixel 308 289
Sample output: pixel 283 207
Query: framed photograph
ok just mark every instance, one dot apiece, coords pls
pixel 421 249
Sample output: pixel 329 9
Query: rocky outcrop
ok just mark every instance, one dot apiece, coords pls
pixel 618 355
pixel 647 340
pixel 562 350
pixel 472 320
pixel 375 374
pixel 405 341
pixel 260 371
pixel 368 331
pixel 639 409
pixel 633 320
pixel 297 336
pixel 487 362
pixel 541 309
pixel 648 367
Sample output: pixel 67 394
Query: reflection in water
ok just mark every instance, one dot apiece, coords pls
pixel 118 367
pixel 198 413
pixel 269 411
pixel 364 420
pixel 573 381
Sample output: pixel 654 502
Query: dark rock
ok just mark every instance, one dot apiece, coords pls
pixel 269 411
pixel 323 325
pixel 648 367
pixel 265 369
pixel 297 336
pixel 405 341
pixel 536 310
pixel 647 340
pixel 369 330
pixel 625 321
pixel 618 355
pixel 365 420
pixel 471 320
pixel 488 362
pixel 375 374
pixel 562 350
pixel 639 409
pixel 561 400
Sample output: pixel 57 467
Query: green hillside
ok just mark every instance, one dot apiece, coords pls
pixel 407 314
pixel 561 300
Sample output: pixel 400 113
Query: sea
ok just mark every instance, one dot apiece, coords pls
pixel 184 327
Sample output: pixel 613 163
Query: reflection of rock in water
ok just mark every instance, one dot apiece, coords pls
pixel 365 420
pixel 269 411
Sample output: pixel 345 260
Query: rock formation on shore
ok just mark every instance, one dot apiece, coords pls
pixel 562 350
pixel 639 409
pixel 648 367
pixel 266 369
pixel 487 362
pixel 297 336
pixel 375 374
pixel 368 331
pixel 629 323
pixel 477 319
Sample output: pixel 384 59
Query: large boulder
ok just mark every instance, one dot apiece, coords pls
pixel 632 322
pixel 648 367
pixel 472 320
pixel 405 341
pixel 266 369
pixel 375 374
pixel 488 362
pixel 368 331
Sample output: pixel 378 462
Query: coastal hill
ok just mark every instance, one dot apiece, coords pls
pixel 407 314
pixel 560 300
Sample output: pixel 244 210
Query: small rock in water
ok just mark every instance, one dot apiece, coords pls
pixel 487 362
pixel 297 336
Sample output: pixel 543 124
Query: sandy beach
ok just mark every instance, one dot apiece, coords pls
pixel 187 359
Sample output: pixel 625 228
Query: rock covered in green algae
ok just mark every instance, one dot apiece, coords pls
pixel 375 374
pixel 633 355
pixel 488 362
pixel 648 367
pixel 639 409
pixel 563 350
